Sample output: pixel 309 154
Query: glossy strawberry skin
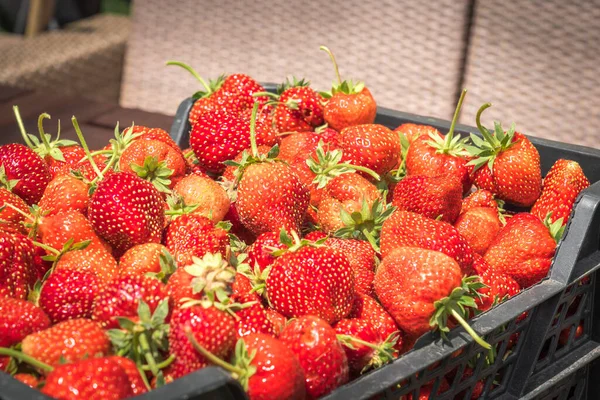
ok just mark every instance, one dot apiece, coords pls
pixel 93 260
pixel 260 252
pixel 19 318
pixel 320 354
pixel 16 265
pixel 57 229
pixel 210 197
pixel 413 131
pixel 479 226
pixel 23 164
pixel 141 259
pixel 367 308
pixel 252 319
pixel 307 116
pixel 126 210
pixel 479 198
pixel 371 145
pixel 360 355
pixel 12 219
pixel 343 110
pixel 410 280
pixel 498 287
pixel 362 259
pixel 72 155
pixel 65 192
pixel 562 185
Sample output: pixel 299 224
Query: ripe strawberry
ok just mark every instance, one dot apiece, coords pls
pixel 523 250
pixel 368 309
pixel 126 210
pixel 70 340
pixel 506 163
pixel 19 318
pixel 370 145
pixel 72 155
pixel 10 219
pixel 69 294
pixel 277 320
pixel 237 228
pixel 133 374
pixel 261 251
pixel 57 229
pixel 421 288
pixel 430 196
pixel 93 379
pixel 208 195
pixel 413 131
pixel 194 235
pixel 65 192
pixel 121 297
pixel 27 379
pixel 564 336
pixel 299 107
pixel 479 227
pixel 23 172
pixel 405 228
pixel 498 288
pixel 92 260
pixel 321 356
pixel 252 319
pixel 479 198
pixel 146 133
pixel 145 258
pixel 266 134
pixel 562 185
pixel 362 258
pixel 311 280
pixel 297 147
pixel 16 265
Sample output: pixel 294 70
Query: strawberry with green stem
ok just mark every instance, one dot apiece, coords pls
pixel 11 219
pixel 349 103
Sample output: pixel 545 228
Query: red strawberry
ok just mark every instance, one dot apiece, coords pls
pixel 261 251
pixel 17 273
pixel 57 229
pixel 277 320
pixel 252 319
pixel 121 297
pixel 562 185
pixel 321 356
pixel 92 260
pixel 523 250
pixel 430 196
pixel 92 379
pixel 72 154
pixel 10 219
pixel 362 259
pixel 370 145
pixel 507 164
pixel 126 210
pixel 266 134
pixel 421 288
pixel 413 131
pixel 311 280
pixel 367 308
pixel 208 195
pixel 19 318
pixel 65 192
pixel 498 287
pixel 479 227
pixel 69 294
pixel 194 235
pixel 298 147
pixel 70 340
pixel 406 228
pixel 27 379
pixel 237 228
pixel 131 369
pixel 479 198
pixel 563 339
pixel 299 107
pixel 23 172
pixel 145 258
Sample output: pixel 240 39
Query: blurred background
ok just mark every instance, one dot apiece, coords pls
pixel 535 60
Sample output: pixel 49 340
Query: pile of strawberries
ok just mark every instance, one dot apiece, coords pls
pixel 296 244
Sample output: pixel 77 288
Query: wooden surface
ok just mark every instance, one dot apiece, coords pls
pixel 96 119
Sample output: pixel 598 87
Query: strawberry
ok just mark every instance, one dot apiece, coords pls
pixel 237 228
pixel 321 356
pixel 266 134
pixel 72 155
pixel 121 297
pixel 413 131
pixel 146 258
pixel 69 294
pixel 299 107
pixel 433 154
pixel 430 390
pixel 126 210
pixel 431 196
pixel 349 103
pixel 298 147
pixel 252 319
pixel 311 279
pixel 131 369
pixel 23 172
pixel 562 185
pixel 11 219
pixel 93 379
pixel 57 229
pixel 65 192
pixel 506 163
pixel 362 259
pixel 19 318
pixel 92 260
pixel 261 251
pixel 406 228
pixel 370 145
pixel 193 235
pixel 498 288
pixel 201 191
pixel 16 265
pixel 421 288
pixel 479 198
pixel 523 249
pixel 479 226
pixel 27 379
pixel 368 309
pixel 70 340
pixel 565 334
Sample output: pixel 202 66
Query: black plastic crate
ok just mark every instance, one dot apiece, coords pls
pixel 525 330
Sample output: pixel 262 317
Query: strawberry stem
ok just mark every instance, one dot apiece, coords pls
pixel 22 127
pixel 450 134
pixel 484 132
pixel 25 358
pixel 49 249
pixel 41 130
pixel 193 72
pixel 348 339
pixel 144 378
pixel 85 147
pixel 211 357
pixel 337 71
pixel 145 347
pixel 161 365
pixel 469 330
pixel 355 167
pixel 253 130
pixel 27 216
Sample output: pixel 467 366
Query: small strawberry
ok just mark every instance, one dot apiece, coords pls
pixel 562 185
pixel 368 309
pixel 479 226
pixel 413 131
pixel 11 219
pixel 252 319
pixel 370 145
pixel 69 340
pixel 350 103
pixel 17 273
pixel 64 192
pixel 23 172
pixel 153 258
pixel 69 225
pixel 362 259
pixel 321 356
pixel 261 251
pixel 19 318
pixel 479 198
pixel 499 287
pixel 506 163
pixel 201 191
pixel 298 108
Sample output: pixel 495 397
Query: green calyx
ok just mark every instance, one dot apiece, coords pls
pixel 457 305
pixel 450 144
pixel 155 172
pixel 8 184
pixel 55 255
pixel 145 342
pixel 257 278
pixel 556 228
pixel 177 206
pixel 365 224
pixel 293 243
pixel 486 150
pixel 209 88
pixel 168 266
pixel 383 353
pixel 328 165
pixel 211 272
pixel 346 87
pixel 219 299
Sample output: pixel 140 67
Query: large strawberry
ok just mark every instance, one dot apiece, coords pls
pixel 349 103
pixel 562 185
pixel 506 163
pixel 479 226
pixel 311 279
pixel 362 259
pixel 422 288
pixel 126 210
pixel 64 192
pixel 19 318
pixel 23 172
pixel 94 260
pixel 370 145
pixel 320 354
